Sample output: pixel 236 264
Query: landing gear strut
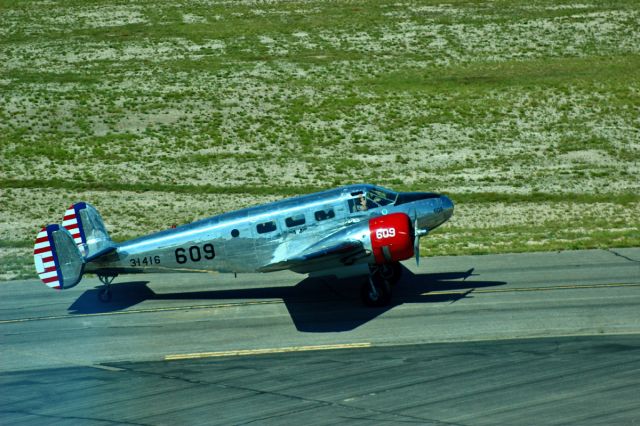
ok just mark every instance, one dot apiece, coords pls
pixel 391 272
pixel 105 292
pixel 376 291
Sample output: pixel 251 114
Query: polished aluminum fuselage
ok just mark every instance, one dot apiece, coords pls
pixel 231 242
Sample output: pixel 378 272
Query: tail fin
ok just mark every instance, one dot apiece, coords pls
pixel 85 225
pixel 58 261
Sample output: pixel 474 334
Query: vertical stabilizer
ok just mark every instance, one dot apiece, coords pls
pixel 85 225
pixel 57 258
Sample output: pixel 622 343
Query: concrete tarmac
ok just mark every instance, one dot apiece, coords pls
pixel 513 339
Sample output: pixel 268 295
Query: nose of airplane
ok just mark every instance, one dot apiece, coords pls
pixel 447 206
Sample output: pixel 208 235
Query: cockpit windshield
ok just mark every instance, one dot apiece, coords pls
pixel 381 197
pixel 371 199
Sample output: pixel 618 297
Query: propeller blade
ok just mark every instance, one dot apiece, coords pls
pixel 416 239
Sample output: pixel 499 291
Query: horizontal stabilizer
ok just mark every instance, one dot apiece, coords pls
pixel 101 254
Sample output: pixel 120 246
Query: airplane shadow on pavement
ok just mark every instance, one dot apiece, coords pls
pixel 316 305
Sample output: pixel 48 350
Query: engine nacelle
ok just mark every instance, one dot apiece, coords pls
pixel 391 237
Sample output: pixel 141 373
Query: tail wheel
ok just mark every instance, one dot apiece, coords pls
pixel 376 290
pixel 105 295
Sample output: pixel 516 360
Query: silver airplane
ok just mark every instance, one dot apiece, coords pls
pixel 356 230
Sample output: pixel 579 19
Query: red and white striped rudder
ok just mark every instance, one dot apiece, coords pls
pixel 57 258
pixel 85 225
pixel 72 224
pixel 44 260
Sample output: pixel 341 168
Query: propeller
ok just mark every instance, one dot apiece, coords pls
pixel 417 233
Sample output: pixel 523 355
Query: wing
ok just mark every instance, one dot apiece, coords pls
pixel 320 256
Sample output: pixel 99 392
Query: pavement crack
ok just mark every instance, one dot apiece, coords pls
pixel 622 256
pixel 398 417
pixel 263 419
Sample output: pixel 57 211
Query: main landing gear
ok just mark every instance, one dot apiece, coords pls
pixel 105 292
pixel 377 290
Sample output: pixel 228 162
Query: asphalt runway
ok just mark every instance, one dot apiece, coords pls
pixel 541 338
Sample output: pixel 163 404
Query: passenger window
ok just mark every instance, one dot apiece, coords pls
pixel 296 220
pixel 265 227
pixel 324 214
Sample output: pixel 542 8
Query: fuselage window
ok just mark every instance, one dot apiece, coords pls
pixel 235 233
pixel 296 220
pixel 265 227
pixel 324 214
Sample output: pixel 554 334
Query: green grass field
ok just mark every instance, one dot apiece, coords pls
pixel 158 112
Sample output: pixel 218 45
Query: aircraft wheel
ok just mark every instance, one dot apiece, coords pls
pixel 105 295
pixel 382 294
pixel 392 272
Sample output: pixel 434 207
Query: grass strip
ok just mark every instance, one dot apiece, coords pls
pixel 463 197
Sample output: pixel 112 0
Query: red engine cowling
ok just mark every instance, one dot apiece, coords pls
pixel 391 237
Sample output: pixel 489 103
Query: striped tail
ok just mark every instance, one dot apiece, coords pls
pixel 61 252
pixel 57 258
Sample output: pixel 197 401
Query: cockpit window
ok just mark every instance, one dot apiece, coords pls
pixel 381 197
pixel 360 203
pixel 372 199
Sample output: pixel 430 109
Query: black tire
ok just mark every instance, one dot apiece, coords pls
pixel 105 295
pixel 383 287
pixel 392 272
